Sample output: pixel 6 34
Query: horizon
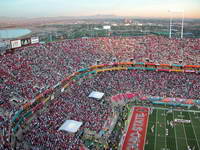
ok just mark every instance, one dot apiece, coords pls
pixel 84 8
pixel 96 15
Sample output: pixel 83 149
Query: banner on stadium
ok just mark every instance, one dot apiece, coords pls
pixel 16 44
pixel 25 42
pixel 168 100
pixel 34 40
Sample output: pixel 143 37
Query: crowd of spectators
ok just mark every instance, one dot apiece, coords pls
pixel 75 104
pixel 44 130
pixel 30 70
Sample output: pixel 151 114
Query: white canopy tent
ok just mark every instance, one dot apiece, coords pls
pixel 71 126
pixel 96 95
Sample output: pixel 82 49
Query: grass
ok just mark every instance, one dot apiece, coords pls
pixel 179 137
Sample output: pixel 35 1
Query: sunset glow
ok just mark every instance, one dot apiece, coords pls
pixel 140 8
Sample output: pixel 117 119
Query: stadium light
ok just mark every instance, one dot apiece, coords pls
pixel 183 16
pixel 170 25
pixel 171 11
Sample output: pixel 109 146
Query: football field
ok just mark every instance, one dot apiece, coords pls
pixel 164 133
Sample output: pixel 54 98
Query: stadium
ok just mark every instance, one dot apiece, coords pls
pixel 137 92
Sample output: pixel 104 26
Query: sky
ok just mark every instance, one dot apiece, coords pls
pixel 140 8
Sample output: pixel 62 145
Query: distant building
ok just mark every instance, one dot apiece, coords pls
pixel 107 27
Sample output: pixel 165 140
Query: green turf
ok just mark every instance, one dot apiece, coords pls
pixel 179 136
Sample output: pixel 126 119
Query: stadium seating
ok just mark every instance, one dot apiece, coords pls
pixel 33 69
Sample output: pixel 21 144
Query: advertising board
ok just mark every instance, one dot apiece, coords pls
pixel 34 40
pixel 16 43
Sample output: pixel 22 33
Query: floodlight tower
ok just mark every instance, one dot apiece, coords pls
pixel 183 16
pixel 171 17
pixel 170 26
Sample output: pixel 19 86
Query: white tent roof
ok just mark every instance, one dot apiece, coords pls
pixel 71 126
pixel 97 95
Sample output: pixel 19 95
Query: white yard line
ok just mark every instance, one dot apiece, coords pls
pixel 155 132
pixel 185 134
pixel 175 132
pixel 165 129
pixel 194 132
pixel 198 116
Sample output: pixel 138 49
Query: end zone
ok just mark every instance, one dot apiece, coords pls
pixel 136 133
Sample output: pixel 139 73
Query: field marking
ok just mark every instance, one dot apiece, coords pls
pixel 175 133
pixel 198 117
pixel 155 132
pixel 174 109
pixel 180 138
pixel 185 134
pixel 165 129
pixel 194 132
